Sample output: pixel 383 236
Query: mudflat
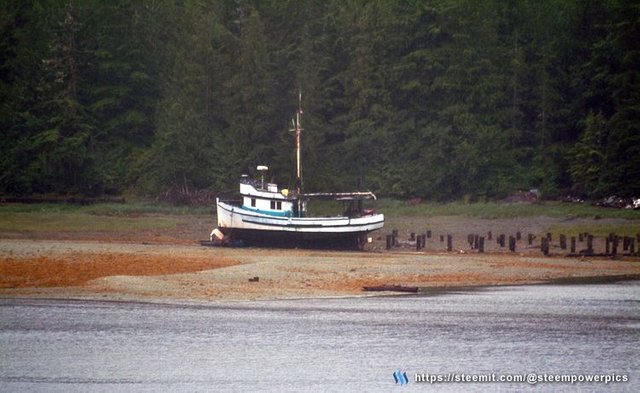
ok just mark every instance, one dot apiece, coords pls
pixel 165 270
pixel 109 252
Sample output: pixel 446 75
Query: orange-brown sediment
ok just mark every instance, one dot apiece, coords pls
pixel 78 268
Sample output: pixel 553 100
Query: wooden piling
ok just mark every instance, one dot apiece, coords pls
pixel 512 244
pixel 481 244
pixel 412 236
pixel 489 234
pixel 428 233
pixel 544 245
pixel 449 243
pixel 563 242
pixel 530 239
pixel 614 246
pixel 607 245
pixel 518 236
pixel 589 244
pixel 389 242
pixel 501 240
pixel 573 244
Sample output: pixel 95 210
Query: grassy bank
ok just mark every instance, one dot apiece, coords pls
pixel 140 216
pixel 135 208
pixel 102 218
pixel 602 230
pixel 489 210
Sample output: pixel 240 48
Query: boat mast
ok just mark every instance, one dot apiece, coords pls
pixel 298 130
pixel 297 127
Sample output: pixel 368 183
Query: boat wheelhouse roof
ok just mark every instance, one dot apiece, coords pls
pixel 341 196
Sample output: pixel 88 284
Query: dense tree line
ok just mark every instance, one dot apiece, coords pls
pixel 439 99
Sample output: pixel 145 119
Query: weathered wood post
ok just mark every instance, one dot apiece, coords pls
pixel 590 244
pixel 412 236
pixel 449 243
pixel 441 238
pixel 481 244
pixel 614 246
pixel 512 244
pixel 489 235
pixel 544 245
pixel 394 233
pixel 549 237
pixel 501 240
pixel 470 240
pixel 418 242
pixel 518 236
pixel 625 244
pixel 428 233
pixel 530 239
pixel 389 242
pixel 632 246
pixel 563 242
pixel 476 242
pixel 424 240
pixel 580 237
pixel 573 244
pixel 607 245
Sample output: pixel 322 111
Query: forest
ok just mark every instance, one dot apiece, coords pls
pixel 442 99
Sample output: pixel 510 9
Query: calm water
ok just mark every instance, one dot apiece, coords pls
pixel 323 345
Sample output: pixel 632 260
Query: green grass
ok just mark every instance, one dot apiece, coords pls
pixel 389 207
pixel 81 222
pixel 501 210
pixel 596 230
pixel 103 217
pixel 140 215
pixel 106 209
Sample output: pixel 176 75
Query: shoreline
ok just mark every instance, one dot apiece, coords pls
pixel 191 273
pixel 422 292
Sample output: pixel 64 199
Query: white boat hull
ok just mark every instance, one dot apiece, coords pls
pixel 256 227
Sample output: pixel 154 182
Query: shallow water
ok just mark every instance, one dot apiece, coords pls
pixel 352 344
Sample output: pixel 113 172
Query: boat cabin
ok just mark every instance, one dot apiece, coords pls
pixel 265 198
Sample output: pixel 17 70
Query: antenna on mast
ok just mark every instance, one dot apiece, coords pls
pixel 297 128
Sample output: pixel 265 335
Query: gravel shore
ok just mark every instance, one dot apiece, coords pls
pixel 182 272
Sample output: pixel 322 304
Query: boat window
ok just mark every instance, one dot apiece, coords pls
pixel 273 205
pixel 253 202
pixel 279 205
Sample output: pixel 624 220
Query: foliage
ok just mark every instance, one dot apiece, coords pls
pixel 445 99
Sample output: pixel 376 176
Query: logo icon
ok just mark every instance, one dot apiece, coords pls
pixel 400 377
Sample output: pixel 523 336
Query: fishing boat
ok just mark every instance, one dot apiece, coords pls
pixel 266 215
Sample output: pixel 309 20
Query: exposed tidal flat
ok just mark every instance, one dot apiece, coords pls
pixel 144 252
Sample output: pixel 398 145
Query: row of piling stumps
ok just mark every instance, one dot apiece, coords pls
pixel 630 245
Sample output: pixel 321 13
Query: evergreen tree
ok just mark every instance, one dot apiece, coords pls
pixel 444 99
